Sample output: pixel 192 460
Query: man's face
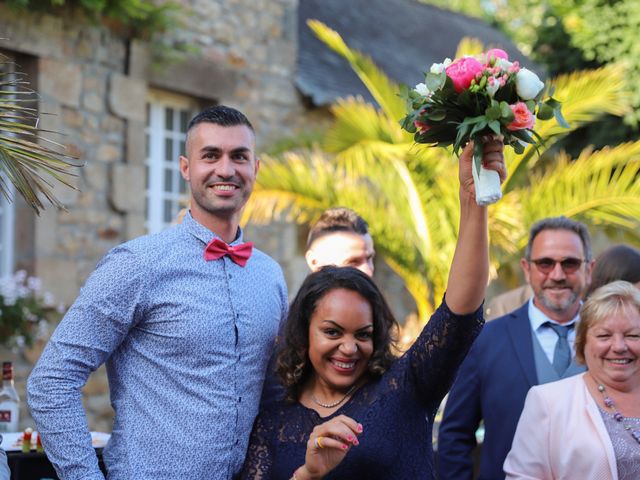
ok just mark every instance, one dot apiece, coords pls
pixel 221 168
pixel 557 292
pixel 342 249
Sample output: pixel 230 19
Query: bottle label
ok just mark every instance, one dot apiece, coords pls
pixel 5 416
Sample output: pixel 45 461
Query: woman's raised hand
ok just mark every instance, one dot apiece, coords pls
pixel 327 446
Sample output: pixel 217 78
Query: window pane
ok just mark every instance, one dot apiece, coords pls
pixel 184 120
pixel 183 185
pixel 168 176
pixel 168 119
pixel 182 149
pixel 168 149
pixel 168 214
pixel 148 115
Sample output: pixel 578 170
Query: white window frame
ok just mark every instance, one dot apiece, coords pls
pixel 7 224
pixel 7 234
pixel 163 204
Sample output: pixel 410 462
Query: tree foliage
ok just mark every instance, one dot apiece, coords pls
pixel 136 18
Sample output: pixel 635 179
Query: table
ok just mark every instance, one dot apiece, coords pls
pixel 36 466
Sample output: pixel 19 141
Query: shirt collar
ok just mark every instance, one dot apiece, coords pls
pixel 202 233
pixel 537 317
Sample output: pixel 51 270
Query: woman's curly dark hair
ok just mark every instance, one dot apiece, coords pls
pixel 294 366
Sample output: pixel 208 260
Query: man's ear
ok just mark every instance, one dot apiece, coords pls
pixel 184 168
pixel 312 261
pixel 526 268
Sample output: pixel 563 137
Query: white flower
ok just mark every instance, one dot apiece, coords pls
pixel 48 300
pixel 422 89
pixel 492 86
pixel 438 68
pixel 34 283
pixel 528 85
pixel 503 63
pixel 20 276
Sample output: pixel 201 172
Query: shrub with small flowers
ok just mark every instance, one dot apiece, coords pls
pixel 470 97
pixel 25 310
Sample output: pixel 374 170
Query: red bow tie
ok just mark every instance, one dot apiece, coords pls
pixel 217 249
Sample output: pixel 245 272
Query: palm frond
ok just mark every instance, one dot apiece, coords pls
pixel 469 46
pixel 355 121
pixel 586 96
pixel 29 160
pixel 600 188
pixel 383 90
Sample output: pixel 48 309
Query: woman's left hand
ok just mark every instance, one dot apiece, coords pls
pixel 327 446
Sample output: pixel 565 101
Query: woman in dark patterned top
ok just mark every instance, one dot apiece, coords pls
pixel 352 410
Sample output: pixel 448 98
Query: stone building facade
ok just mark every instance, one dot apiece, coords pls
pixel 124 117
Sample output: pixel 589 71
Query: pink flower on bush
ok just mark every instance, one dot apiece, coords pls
pixel 422 126
pixel 523 117
pixel 463 71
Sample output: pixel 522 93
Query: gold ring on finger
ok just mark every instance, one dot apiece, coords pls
pixel 318 442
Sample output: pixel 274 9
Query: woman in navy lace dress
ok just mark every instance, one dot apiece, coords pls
pixel 354 411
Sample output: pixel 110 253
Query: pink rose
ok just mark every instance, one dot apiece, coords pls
pixel 462 71
pixel 523 117
pixel 494 54
pixel 421 126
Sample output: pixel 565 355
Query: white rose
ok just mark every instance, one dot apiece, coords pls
pixel 422 89
pixel 528 85
pixel 438 68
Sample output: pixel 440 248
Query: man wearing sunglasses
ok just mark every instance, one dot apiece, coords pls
pixel 529 346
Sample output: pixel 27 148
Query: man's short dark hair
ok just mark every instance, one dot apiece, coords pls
pixel 561 223
pixel 220 115
pixel 338 219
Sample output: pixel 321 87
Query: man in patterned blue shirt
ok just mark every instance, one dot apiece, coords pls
pixel 185 325
pixel 5 474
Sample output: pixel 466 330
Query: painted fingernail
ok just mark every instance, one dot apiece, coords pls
pixel 344 447
pixel 359 427
pixel 350 438
pixel 356 442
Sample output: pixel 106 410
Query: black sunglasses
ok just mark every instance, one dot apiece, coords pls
pixel 568 265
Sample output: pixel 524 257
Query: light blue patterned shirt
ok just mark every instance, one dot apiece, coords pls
pixel 186 344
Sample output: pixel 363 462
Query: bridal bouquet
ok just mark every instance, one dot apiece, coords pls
pixel 464 99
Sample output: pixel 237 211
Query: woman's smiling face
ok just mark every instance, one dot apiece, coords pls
pixel 612 348
pixel 340 339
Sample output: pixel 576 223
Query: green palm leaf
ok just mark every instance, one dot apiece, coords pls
pixel 28 160
pixel 383 90
pixel 586 96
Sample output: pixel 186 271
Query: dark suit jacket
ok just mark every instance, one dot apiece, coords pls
pixel 492 384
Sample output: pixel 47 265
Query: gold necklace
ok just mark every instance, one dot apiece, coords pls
pixel 336 403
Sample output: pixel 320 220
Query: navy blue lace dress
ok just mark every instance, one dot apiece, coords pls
pixel 396 412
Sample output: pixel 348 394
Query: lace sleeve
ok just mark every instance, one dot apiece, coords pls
pixel 436 355
pixel 258 462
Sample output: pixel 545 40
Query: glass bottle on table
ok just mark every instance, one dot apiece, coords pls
pixel 9 401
